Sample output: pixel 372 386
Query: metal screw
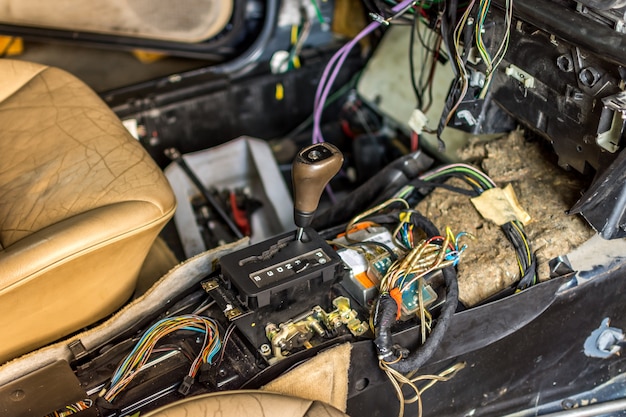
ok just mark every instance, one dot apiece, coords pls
pixel 568 404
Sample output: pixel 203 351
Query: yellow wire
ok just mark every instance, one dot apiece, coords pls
pixel 521 233
pixel 482 14
pixel 294 34
pixel 458 30
pixel 501 52
pixel 398 380
pixel 473 181
pixel 373 210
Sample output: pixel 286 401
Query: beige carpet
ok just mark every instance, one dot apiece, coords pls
pixel 322 378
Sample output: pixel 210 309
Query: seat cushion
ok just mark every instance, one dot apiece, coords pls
pixel 80 204
pixel 246 404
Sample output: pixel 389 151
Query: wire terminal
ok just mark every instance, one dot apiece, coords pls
pixel 186 385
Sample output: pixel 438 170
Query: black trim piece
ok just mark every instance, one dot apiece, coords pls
pixel 573 27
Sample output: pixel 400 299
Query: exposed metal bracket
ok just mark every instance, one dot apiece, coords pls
pixel 604 342
pixel 612 124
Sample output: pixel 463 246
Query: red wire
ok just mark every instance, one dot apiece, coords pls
pixel 240 217
pixel 414 141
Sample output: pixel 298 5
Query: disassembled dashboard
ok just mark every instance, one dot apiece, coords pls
pixel 559 71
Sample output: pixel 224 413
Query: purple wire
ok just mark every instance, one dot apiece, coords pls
pixel 337 60
pixel 326 82
pixel 329 66
pixel 319 93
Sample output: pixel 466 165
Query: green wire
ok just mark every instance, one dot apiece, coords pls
pixel 473 174
pixel 318 12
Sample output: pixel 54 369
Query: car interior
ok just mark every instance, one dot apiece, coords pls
pixel 312 208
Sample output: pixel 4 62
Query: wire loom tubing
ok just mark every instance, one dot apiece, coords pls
pixel 386 309
pixel 385 317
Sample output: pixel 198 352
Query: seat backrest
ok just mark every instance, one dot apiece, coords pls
pixel 80 204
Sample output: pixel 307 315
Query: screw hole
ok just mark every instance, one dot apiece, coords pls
pixel 361 384
pixel 589 76
pixel 565 63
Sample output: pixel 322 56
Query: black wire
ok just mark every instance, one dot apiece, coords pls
pixel 418 95
pixel 528 266
pixel 434 58
pixel 428 52
pixel 431 81
pixel 424 42
pixel 440 182
pixel 448 22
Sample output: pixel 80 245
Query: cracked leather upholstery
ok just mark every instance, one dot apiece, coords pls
pixel 80 205
pixel 246 404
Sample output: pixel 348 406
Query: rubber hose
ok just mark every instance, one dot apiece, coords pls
pixel 378 188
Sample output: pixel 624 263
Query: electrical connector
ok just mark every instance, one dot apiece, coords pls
pixel 208 375
pixel 417 121
pixel 186 385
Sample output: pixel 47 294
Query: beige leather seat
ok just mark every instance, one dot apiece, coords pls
pixel 246 404
pixel 80 204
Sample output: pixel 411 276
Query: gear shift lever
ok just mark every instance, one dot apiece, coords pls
pixel 312 169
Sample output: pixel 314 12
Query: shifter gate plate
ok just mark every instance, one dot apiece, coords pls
pixel 260 271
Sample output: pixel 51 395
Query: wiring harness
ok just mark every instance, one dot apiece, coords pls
pixel 428 255
pixel 71 409
pixel 479 182
pixel 146 346
pixel 425 250
pixel 469 30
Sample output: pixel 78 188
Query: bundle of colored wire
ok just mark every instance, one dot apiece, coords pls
pixel 140 354
pixel 299 35
pixel 431 42
pixel 72 408
pixel 491 63
pixel 514 230
pixel 427 256
pixel 334 66
pixel 460 62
